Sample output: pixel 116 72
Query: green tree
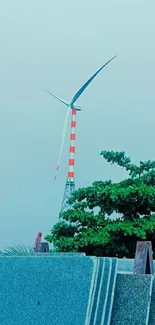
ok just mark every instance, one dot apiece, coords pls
pixel 90 226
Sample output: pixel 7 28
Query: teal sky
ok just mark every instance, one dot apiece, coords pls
pixel 58 45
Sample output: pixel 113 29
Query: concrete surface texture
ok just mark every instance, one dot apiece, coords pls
pixel 74 290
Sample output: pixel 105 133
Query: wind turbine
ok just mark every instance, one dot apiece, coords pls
pixel 72 108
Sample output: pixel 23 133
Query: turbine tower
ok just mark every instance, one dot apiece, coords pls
pixel 72 108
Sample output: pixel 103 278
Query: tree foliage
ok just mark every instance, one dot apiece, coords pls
pixel 90 226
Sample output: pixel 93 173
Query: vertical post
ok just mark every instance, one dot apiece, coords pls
pixel 143 258
pixel 37 240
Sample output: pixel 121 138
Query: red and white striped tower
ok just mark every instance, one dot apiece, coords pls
pixel 70 183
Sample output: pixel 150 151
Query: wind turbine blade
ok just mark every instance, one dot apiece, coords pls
pixel 64 132
pixel 81 90
pixel 60 99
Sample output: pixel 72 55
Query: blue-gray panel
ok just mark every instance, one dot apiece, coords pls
pixel 132 299
pixel 111 291
pixel 125 265
pixel 38 291
pixel 103 292
pixel 152 308
pixel 103 299
pixel 96 297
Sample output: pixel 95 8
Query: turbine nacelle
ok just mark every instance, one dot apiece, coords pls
pixel 78 107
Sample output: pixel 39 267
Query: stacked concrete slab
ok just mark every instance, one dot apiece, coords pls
pixel 58 290
pixel 104 292
pixel 132 299
pixel 73 289
pixel 152 308
pixel 50 290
